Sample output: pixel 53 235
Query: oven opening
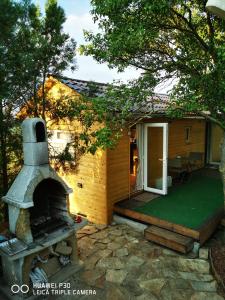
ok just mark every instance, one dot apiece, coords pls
pixel 50 208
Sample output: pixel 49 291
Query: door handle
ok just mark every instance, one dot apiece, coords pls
pixel 161 159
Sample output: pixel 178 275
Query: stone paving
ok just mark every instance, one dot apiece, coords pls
pixel 119 264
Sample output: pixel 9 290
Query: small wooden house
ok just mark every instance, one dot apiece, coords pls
pixel 141 160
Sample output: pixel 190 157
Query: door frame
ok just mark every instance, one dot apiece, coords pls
pixel 164 189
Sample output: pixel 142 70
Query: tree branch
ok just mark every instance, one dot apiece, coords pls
pixel 193 30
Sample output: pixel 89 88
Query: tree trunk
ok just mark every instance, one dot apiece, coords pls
pixel 3 151
pixel 43 96
pixel 35 98
pixel 4 164
pixel 222 163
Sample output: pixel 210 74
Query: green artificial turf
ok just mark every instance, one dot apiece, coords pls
pixel 189 204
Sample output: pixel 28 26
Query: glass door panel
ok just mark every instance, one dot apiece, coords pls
pixel 156 148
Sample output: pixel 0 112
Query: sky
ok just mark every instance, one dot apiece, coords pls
pixel 79 18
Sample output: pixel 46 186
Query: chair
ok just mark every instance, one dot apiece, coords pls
pixel 195 160
pixel 177 168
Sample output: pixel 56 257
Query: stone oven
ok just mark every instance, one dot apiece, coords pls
pixel 38 206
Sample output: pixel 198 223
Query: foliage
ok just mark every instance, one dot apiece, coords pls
pixel 51 50
pixel 31 46
pixel 98 117
pixel 168 40
pixel 12 80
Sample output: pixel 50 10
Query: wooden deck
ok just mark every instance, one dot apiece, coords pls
pixel 201 234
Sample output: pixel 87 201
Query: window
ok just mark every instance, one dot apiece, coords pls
pixel 187 135
pixel 59 135
pixel 58 139
pixel 63 135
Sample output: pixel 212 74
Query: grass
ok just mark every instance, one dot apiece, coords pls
pixel 189 204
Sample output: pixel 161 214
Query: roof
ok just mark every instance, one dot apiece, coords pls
pixel 157 103
pixel 83 86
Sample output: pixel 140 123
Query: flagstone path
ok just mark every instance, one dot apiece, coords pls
pixel 119 264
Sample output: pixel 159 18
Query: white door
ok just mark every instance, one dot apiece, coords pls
pixel 155 157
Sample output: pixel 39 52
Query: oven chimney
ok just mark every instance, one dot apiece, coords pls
pixel 35 145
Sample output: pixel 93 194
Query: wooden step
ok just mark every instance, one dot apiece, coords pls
pixel 169 239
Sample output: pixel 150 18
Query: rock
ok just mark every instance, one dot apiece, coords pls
pixel 150 274
pixel 203 253
pixel 113 246
pixel 80 235
pixel 100 283
pixel 154 253
pixel 88 229
pixel 101 226
pixel 134 233
pixel 131 239
pixel 206 296
pixel 90 262
pixel 131 284
pixel 180 264
pixel 86 246
pixel 128 237
pixel 117 232
pixel 86 242
pixel 121 240
pixel 168 252
pixel 110 263
pixel 153 285
pixel 90 276
pixel 121 252
pixel 202 286
pixel 146 296
pixel 195 277
pixel 100 246
pixel 63 248
pixel 116 276
pixel 99 235
pixel 105 241
pixel 118 293
pixel 193 265
pixel 134 261
pixel 168 294
pixel 124 226
pixel 104 253
pixel 179 284
pixel 169 273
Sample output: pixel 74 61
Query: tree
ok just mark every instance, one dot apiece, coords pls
pixel 167 40
pixel 52 50
pixel 11 81
pixel 31 46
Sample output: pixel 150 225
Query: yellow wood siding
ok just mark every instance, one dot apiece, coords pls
pixel 118 166
pixel 89 188
pixel 215 142
pixel 177 143
pixel 88 182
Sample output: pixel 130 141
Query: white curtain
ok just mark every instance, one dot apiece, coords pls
pixel 139 139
